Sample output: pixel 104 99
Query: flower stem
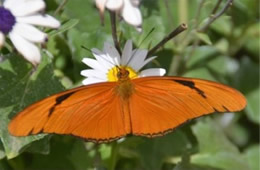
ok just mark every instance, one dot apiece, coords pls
pixel 114 32
pixel 113 158
pixel 183 11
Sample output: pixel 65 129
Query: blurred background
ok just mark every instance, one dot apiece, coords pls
pixel 225 51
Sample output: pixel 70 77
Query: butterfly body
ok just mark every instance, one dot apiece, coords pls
pixel 148 106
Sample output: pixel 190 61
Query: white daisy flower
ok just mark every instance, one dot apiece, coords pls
pixel 17 18
pixel 129 9
pixel 108 63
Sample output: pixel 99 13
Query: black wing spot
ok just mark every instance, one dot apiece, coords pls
pixel 41 131
pixel 226 108
pixel 31 132
pixel 59 100
pixel 191 85
pixel 216 110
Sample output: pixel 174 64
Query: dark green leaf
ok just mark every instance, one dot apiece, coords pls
pixel 247 80
pixel 21 86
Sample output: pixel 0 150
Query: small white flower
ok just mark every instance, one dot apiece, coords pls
pixel 128 9
pixel 108 63
pixel 17 18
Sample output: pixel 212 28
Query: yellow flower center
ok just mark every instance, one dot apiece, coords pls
pixel 113 73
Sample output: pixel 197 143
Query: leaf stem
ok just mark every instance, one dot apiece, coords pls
pixel 60 7
pixel 216 7
pixel 214 17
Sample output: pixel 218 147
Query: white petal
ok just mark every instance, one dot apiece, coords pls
pixel 139 29
pixel 127 52
pixel 2 39
pixel 138 67
pixel 94 64
pixel 102 58
pixel 88 81
pixel 30 33
pixel 41 20
pixel 135 2
pixel 27 8
pixel 94 73
pixel 137 61
pixel 131 14
pixel 26 48
pixel 101 5
pixel 112 52
pixel 152 72
pixel 114 4
pixel 11 3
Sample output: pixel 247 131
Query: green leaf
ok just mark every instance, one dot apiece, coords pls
pixel 152 152
pixel 43 144
pixel 76 40
pixel 21 86
pixel 152 22
pixel 215 150
pixel 238 133
pixel 252 155
pixel 66 153
pixel 80 156
pixel 222 25
pixel 200 56
pixel 67 25
pixel 2 152
pixel 204 37
pixel 206 63
pixel 252 108
pixel 202 73
pixel 12 145
pixel 247 80
pixel 252 40
pixel 88 16
pixel 188 166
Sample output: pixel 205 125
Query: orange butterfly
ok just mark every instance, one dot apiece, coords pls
pixel 145 106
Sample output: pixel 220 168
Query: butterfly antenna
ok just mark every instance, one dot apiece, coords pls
pixel 86 48
pixel 147 35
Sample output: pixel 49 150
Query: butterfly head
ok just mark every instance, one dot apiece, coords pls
pixel 121 73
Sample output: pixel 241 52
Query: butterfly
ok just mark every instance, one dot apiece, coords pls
pixel 146 106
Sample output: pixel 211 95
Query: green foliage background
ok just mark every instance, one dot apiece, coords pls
pixel 227 52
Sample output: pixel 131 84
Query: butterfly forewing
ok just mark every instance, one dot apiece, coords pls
pixel 160 104
pixel 92 112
